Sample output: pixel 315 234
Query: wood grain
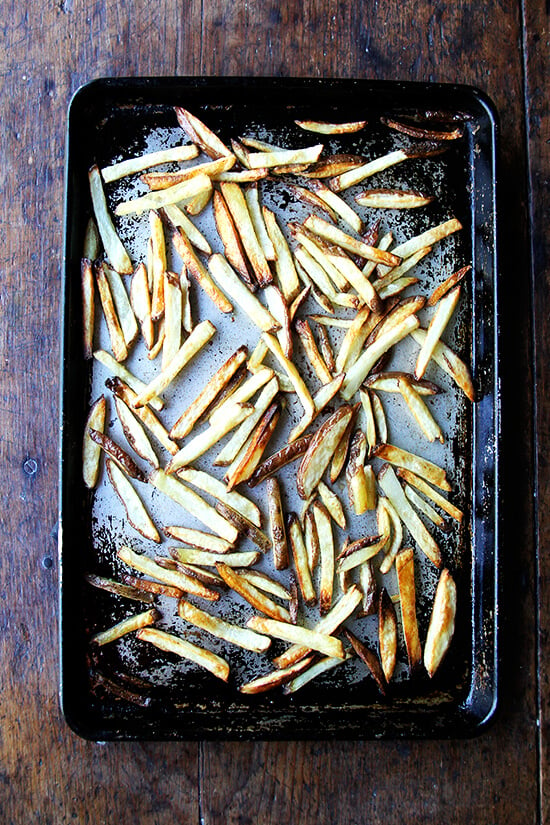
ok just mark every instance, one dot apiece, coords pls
pixel 47 774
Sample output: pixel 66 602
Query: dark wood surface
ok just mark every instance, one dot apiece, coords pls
pixel 47 774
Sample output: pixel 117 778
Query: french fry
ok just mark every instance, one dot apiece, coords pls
pixel 243 393
pixel 428 491
pixel 136 513
pixel 154 588
pixel 163 180
pixel 324 128
pixel 312 272
pixel 311 539
pixel 114 248
pixel 425 508
pixel 256 215
pixel 310 347
pixel 236 203
pixel 387 634
pixel 310 198
pixel 240 636
pixel 119 589
pixel 277 524
pixel 179 193
pixel 173 317
pixel 91 248
pixel 299 555
pixel 140 300
pixel 200 134
pixel 442 623
pixel 338 204
pixel 243 466
pixel 244 431
pixel 360 173
pixel 198 271
pixel 428 238
pixel 145 415
pixel 244 176
pixel 179 220
pixel 369 587
pixel 342 449
pixel 118 343
pixel 194 505
pixel 287 277
pixel 187 319
pixel 336 236
pixel 370 424
pixel 321 450
pixel 441 318
pixel 388 516
pixel 351 337
pixel 157 265
pixel 124 311
pixel 88 307
pixel 449 363
pixel 126 626
pixel 91 450
pixel 245 526
pixel 200 336
pixel 328 624
pixel 157 346
pixel 120 456
pixel 293 374
pixel 265 583
pixel 355 473
pixel 208 394
pixel 251 594
pixel 448 284
pixel 392 199
pixel 326 350
pixel 416 464
pixel 370 658
pixel 233 247
pixel 333 165
pixel 389 382
pixel 390 485
pixel 229 282
pixel 198 539
pixel 358 552
pixel 333 504
pixel 203 441
pixel 404 565
pixel 276 678
pixel 361 368
pixel 284 157
pixel 326 555
pixel 173 578
pixel 298 635
pixel 280 459
pixel 190 555
pixel 320 250
pixel 315 670
pixel 387 277
pixel 119 170
pixel 370 488
pixel 135 434
pixel 418 132
pixel 173 644
pixel 208 484
pixel 420 411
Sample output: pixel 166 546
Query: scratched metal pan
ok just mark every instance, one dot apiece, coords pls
pixel 129 690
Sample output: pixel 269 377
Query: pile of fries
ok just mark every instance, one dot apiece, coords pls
pixel 345 467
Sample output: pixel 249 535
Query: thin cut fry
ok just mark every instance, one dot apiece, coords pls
pixel 114 248
pixel 139 164
pixel 298 635
pixel 240 636
pixel 126 626
pixel 173 644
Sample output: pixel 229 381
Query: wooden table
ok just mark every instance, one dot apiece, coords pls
pixel 47 774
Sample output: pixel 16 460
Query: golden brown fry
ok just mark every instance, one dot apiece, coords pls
pixel 240 636
pixel 91 450
pixel 179 220
pixel 326 555
pixel 441 318
pixel 173 317
pixel 88 307
pixel 200 134
pixel 163 180
pixel 370 658
pixel 420 411
pixel 256 448
pixel 387 634
pixel 295 634
pixel 230 283
pixel 435 495
pixel 355 473
pixel 140 300
pixel 277 523
pixel 199 273
pixel 428 238
pixel 341 452
pixel 333 165
pixel 333 504
pixel 424 134
pixel 280 459
pixel 124 461
pixel 236 203
pixel 139 164
pixel 416 464
pixel 198 539
pixel 126 626
pixel 276 678
pixel 245 526
pixel 206 482
pixel 174 578
pixel 299 555
pixel 321 450
pixel 251 594
pixel 310 347
pixel 447 285
pixel 145 415
pixel 136 513
pixel 404 565
pixel 324 128
pixel 135 433
pixel 114 248
pixel 442 623
pixel 450 363
pixel 206 558
pixel 118 343
pixel 152 588
pixel 173 644
pixel 233 247
pixel 392 199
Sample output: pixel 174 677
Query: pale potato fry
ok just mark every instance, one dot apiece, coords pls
pixel 428 238
pixel 310 348
pixel 135 433
pixel 198 539
pixel 335 235
pixel 287 277
pixel 416 464
pixel 91 451
pixel 338 204
pixel 230 283
pixel 236 203
pixel 187 319
pixel 91 248
pixel 128 625
pixel 277 524
pixel 206 558
pixel 173 317
pixel 157 265
pixel 173 578
pixel 138 164
pixel 284 157
pixel 208 484
pixel 251 594
pixel 324 128
pixel 379 418
pixel 265 583
pixel 244 176
pixel 243 393
pixel 291 371
pixel 389 518
pixel 194 505
pixel 420 411
pixel 333 504
pixel 366 170
pixel 251 453
pixel 145 415
pixel 136 513
pixel 387 634
pixel 114 248
pixel 355 473
pixel 442 623
pixel 435 495
pixel 233 247
pixel 317 669
pixel 198 271
pixel 242 434
pixel 392 199
pixel 387 275
pixel 298 635
pixel 300 558
pixel 450 363
pixel 140 300
pixel 200 134
pixel 424 507
pixel 276 678
pixel 441 318
pixel 118 342
pixel 240 636
pixel 179 220
pixel 125 313
pixel 173 644
pixel 88 307
pixel 404 565
pixel 358 552
pixel 319 250
pixel 321 450
pixel 326 555
pixel 370 424
pixel 388 382
pixel 311 539
pixel 203 441
pixel 256 215
pixel 179 193
pixel 200 336
pixel 163 180
pixel 392 488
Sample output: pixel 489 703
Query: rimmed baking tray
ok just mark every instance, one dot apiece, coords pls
pixel 127 694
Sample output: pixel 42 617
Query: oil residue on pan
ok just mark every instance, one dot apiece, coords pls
pixel 129 679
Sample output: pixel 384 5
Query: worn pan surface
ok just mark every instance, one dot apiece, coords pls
pixel 127 692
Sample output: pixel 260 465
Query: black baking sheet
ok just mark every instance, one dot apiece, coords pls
pixel 114 119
